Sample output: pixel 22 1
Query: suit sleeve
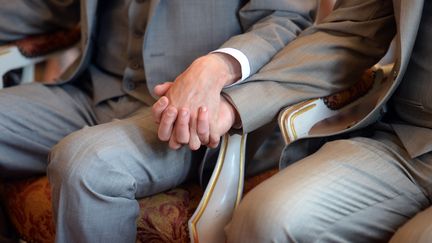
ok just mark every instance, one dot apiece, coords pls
pixel 19 18
pixel 324 59
pixel 269 25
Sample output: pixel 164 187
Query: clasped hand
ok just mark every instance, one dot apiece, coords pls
pixel 191 109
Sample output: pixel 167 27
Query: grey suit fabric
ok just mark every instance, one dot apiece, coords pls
pixel 357 185
pixel 130 160
pixel 97 173
pixel 168 44
pixel 35 117
pixel 354 190
pixel 95 123
pixel 412 100
pixel 118 56
pixel 111 49
pixel 299 71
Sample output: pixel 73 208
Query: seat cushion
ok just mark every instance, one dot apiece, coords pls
pixel 28 204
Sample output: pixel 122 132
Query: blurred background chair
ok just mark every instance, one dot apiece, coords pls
pixel 38 58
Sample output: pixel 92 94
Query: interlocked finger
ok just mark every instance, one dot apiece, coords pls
pixel 203 126
pixel 182 126
pixel 167 122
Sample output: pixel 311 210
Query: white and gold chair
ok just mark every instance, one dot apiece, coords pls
pixel 26 53
pixel 222 194
pixel 11 58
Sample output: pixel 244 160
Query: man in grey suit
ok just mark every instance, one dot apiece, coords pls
pixel 96 124
pixel 370 182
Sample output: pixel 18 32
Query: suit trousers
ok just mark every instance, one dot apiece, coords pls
pixel 99 157
pixel 360 189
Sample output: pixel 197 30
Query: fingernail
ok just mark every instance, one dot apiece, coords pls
pixel 203 109
pixel 162 102
pixel 184 113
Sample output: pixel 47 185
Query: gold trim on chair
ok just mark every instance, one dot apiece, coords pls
pixel 335 113
pixel 289 116
pixel 4 51
pixel 241 169
pixel 223 192
pixel 206 198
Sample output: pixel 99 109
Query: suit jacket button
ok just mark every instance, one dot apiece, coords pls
pixel 136 65
pixel 138 34
pixel 130 86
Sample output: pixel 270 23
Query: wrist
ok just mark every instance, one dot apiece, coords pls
pixel 230 68
pixel 235 120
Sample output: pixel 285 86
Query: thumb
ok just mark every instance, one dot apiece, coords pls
pixel 222 124
pixel 161 89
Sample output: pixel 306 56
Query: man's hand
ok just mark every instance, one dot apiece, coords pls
pixel 199 86
pixel 210 131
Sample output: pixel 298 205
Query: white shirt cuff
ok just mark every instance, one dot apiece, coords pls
pixel 241 58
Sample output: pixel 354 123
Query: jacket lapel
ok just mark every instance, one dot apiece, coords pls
pixel 152 11
pixel 153 6
pixel 408 15
pixel 88 23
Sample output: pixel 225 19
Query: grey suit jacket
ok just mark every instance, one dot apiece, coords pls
pixel 177 32
pixel 329 57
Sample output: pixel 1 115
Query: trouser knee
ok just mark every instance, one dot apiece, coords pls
pixel 81 161
pixel 262 218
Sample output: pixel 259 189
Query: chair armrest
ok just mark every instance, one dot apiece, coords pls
pixel 42 45
pixel 334 113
